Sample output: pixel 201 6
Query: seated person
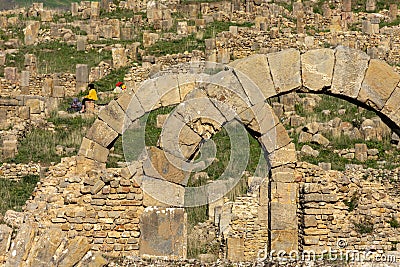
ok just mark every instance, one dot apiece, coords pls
pixel 119 87
pixel 91 97
pixel 75 105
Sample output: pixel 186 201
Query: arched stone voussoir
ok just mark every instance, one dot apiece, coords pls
pixel 148 96
pixel 115 117
pixel 254 74
pixel 161 193
pixel 349 71
pixel 285 70
pixel 101 133
pixel 392 107
pixel 379 83
pixel 283 156
pixel 93 150
pixel 259 118
pixel 275 139
pixel 317 68
pixel 130 105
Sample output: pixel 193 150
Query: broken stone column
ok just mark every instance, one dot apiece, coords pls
pixel 181 28
pixel 361 152
pixel 346 5
pixel 297 8
pixel 393 11
pixel 74 9
pixel 94 10
pixel 47 87
pixel 119 57
pixel 366 27
pixel 82 77
pixel 30 63
pixel 115 28
pixel 370 5
pixel 126 34
pixel 31 32
pixel 10 74
pixel 24 82
pixel 300 23
pixel 81 43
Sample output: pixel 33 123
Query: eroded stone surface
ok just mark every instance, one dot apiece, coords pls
pixel 317 68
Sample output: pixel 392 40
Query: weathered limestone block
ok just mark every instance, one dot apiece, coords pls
pixel 379 83
pixel 36 106
pixel 94 10
pixel 171 195
pixel 81 42
pixel 11 74
pixel 264 87
pixel 93 260
pixel 168 90
pixel 5 240
pixel 166 166
pixel 31 32
pixel 260 118
pixel 58 91
pixel 284 193
pixel 21 246
pixel 46 16
pixel 361 152
pixel 315 197
pixel 178 139
pixel 285 70
pixel 283 174
pixel 283 216
pixel 119 57
pixel 130 105
pixel 317 68
pixel 45 248
pixel 47 88
pixel 275 138
pixel 226 88
pixel 82 77
pixel 163 233
pixel 235 249
pixel 286 240
pixel 283 156
pixel 350 67
pixel 73 252
pixel 148 96
pixel 93 150
pixel 391 107
pixel 101 133
pixel 114 116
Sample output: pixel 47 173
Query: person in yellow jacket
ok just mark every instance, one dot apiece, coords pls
pixel 92 96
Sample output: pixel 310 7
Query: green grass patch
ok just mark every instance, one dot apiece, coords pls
pixel 14 194
pixel 39 145
pixel 56 57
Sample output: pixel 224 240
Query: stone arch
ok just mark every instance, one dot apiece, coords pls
pixel 343 72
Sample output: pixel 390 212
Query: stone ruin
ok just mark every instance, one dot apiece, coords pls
pixel 138 210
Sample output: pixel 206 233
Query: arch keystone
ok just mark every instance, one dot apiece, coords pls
pixel 349 71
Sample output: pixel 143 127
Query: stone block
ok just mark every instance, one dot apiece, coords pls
pixel 81 42
pixel 275 139
pixel 285 70
pixel 235 249
pixel 21 245
pixel 93 150
pixel 131 105
pixel 283 156
pixel 166 166
pixel 36 106
pixel 82 77
pixel 349 71
pixel 163 233
pixel 317 68
pixel 10 74
pixel 114 116
pixel 58 91
pixel 257 84
pixel 379 83
pixel 119 57
pixel 148 96
pixel 24 113
pixel 47 88
pixel 45 248
pixel 315 197
pixel 31 32
pixel 101 133
pixel 283 216
pixel 260 118
pixel 5 239
pixel 283 174
pixel 286 240
pixel 284 193
pixel 361 152
pixel 171 195
pixel 73 252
